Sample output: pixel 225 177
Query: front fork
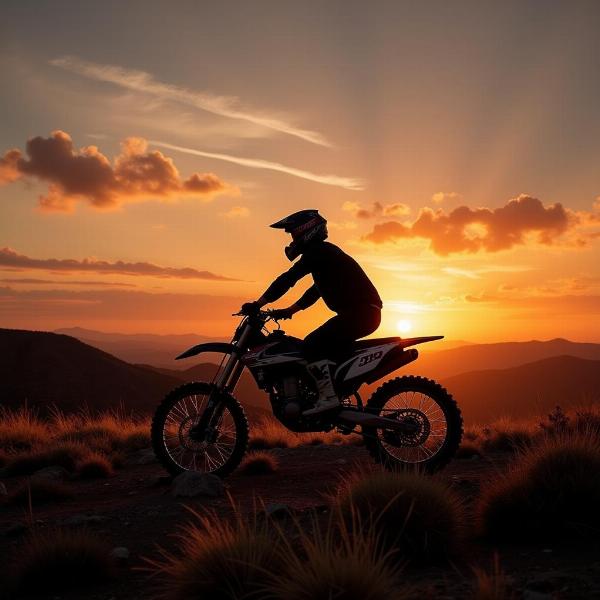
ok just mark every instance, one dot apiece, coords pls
pixel 207 428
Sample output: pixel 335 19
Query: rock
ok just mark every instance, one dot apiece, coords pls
pixel 141 457
pixel 120 554
pixel 3 490
pixel 53 473
pixel 190 484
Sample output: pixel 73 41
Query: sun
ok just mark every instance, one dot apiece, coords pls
pixel 404 325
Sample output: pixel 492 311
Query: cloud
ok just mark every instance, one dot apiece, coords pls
pixel 32 281
pixel 482 229
pixel 9 258
pixel 257 163
pixel 143 82
pixel 236 212
pixel 49 308
pixel 377 210
pixel 87 175
pixel 440 197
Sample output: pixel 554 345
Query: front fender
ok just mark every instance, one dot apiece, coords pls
pixel 220 347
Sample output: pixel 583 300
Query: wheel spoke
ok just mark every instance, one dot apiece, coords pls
pixel 423 414
pixel 207 456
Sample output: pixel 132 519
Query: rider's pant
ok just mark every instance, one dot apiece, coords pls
pixel 332 340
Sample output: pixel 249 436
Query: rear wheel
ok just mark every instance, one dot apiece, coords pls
pixel 224 445
pixel 432 425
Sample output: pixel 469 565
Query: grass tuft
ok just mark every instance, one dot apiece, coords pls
pixel 220 560
pixel 415 514
pixel 21 430
pixel 258 463
pixel 63 454
pixel 58 561
pixel 491 585
pixel 336 563
pixel 552 490
pixel 95 466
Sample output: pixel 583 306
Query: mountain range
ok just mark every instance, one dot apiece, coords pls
pixel 515 379
pixel 146 348
pixel 45 369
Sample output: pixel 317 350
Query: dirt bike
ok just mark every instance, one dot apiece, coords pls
pixel 409 422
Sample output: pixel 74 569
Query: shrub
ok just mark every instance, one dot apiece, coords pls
pixel 551 491
pixel 60 560
pixel 333 563
pixel 506 435
pixel 258 463
pixel 415 514
pixel 557 421
pixel 21 430
pixel 491 585
pixel 220 560
pixel 94 466
pixel 39 491
pixel 64 454
pixel 269 433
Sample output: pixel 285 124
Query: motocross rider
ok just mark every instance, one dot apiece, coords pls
pixel 345 289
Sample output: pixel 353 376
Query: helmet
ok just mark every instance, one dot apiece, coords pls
pixel 306 227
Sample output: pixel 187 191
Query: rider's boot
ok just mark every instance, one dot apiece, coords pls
pixel 321 372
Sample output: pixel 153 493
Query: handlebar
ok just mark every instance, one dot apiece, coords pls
pixel 267 314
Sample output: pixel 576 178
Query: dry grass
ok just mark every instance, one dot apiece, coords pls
pixel 270 433
pixel 21 430
pixel 506 435
pixel 90 444
pixel 95 466
pixel 220 560
pixel 333 562
pixel 63 454
pixel 491 585
pixel 60 560
pixel 258 463
pixel 416 515
pixel 552 490
pixel 39 491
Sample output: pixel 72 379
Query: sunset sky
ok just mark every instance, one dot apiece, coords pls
pixel 454 148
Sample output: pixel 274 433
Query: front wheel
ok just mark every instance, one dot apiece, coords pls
pixel 221 450
pixel 432 425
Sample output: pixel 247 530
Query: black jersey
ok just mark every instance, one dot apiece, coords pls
pixel 338 279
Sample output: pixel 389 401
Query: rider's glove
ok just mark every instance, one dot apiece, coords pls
pixel 281 313
pixel 250 308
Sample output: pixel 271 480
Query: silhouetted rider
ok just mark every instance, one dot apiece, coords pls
pixel 344 287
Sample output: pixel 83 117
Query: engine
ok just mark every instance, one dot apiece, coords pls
pixel 290 396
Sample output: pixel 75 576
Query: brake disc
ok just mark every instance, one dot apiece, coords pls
pixel 415 428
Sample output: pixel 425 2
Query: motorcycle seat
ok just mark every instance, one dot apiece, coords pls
pixel 362 344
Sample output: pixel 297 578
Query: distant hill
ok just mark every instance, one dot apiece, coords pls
pixel 527 390
pixel 247 392
pixel 144 348
pixel 45 369
pixel 475 357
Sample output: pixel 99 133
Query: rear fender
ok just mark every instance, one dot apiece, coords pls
pixel 220 347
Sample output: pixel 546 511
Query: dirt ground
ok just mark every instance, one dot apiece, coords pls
pixel 135 509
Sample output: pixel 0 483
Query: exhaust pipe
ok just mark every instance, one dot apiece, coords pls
pixel 355 417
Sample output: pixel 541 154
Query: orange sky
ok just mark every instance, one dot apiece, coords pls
pixel 454 151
